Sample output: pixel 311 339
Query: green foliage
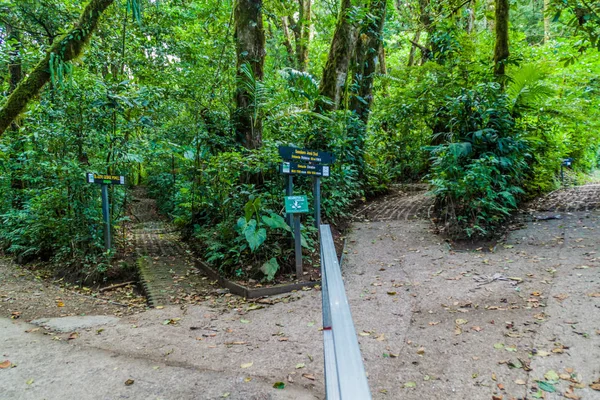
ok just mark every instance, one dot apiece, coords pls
pixel 477 170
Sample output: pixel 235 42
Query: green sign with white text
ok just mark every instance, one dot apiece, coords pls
pixel 296 204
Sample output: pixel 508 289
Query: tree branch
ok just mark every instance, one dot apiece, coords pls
pixel 67 48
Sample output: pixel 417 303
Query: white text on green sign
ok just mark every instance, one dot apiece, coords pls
pixel 296 204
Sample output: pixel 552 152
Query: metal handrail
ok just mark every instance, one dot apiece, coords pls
pixel 345 377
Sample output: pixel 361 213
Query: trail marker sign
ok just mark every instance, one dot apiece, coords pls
pixel 104 181
pixel 292 168
pixel 305 155
pixel 296 204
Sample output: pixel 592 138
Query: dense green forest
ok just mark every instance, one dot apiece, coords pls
pixel 483 99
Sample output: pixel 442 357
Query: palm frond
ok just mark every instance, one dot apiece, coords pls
pixel 527 89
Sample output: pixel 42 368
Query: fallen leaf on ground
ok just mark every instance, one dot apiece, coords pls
pixel 309 376
pixel 410 384
pixel 561 296
pixel 247 365
pixel 520 382
pixel 5 364
pixel 546 386
pixel 300 365
pixel 461 321
pixel 226 394
pixel 391 293
pixel 476 328
pixel 421 350
pixel 244 321
pixel 551 376
pixel 73 335
pixel 596 384
pixel 499 346
pixel 279 385
pixel 247 379
pixel 29 382
pixel 60 304
pixel 594 294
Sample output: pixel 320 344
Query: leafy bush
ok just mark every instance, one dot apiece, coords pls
pixel 477 171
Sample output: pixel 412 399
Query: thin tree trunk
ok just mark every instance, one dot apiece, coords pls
pixel 304 22
pixel 15 70
pixel 287 42
pixel 501 51
pixel 335 72
pixel 470 17
pixel 427 24
pixel 367 56
pixel 413 49
pixel 67 48
pixel 546 21
pixel 250 48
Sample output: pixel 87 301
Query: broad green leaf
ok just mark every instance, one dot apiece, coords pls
pixel 270 268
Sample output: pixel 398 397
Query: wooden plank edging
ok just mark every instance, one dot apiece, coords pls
pixel 250 293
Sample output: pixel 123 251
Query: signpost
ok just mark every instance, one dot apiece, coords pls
pixel 566 162
pixel 303 162
pixel 296 205
pixel 105 180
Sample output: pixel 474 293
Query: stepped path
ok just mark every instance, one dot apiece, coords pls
pixel 404 202
pixel 576 198
pixel 166 267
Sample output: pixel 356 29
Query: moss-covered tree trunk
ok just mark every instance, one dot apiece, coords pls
pixel 287 42
pixel 66 48
pixel 366 60
pixel 335 72
pixel 15 73
pixel 501 52
pixel 250 49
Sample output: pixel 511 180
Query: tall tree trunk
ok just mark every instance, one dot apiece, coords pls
pixel 501 52
pixel 15 70
pixel 335 72
pixel 470 17
pixel 67 48
pixel 287 42
pixel 413 48
pixel 427 23
pixel 367 56
pixel 304 22
pixel 250 48
pixel 546 21
pixel 15 73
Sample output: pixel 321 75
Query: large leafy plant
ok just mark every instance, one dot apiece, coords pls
pixel 478 167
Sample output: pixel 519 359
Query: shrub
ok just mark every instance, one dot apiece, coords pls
pixel 478 168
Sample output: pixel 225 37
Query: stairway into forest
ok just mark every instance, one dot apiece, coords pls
pixel 404 202
pixel 166 268
pixel 569 199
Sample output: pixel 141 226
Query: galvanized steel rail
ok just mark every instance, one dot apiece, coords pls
pixel 345 377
